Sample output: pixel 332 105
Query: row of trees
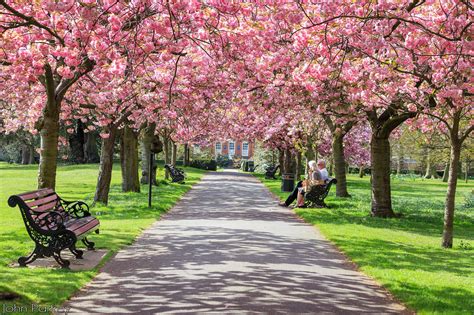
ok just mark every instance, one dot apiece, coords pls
pixel 194 71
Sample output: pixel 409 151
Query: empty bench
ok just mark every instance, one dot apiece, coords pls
pixel 177 175
pixel 314 198
pixel 271 171
pixel 54 224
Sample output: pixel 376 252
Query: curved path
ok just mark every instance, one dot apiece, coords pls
pixel 227 247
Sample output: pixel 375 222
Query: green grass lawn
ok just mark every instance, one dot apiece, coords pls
pixel 404 255
pixel 125 217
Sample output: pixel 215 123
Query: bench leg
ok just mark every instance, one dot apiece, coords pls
pixel 25 260
pixel 77 252
pixel 62 262
pixel 90 245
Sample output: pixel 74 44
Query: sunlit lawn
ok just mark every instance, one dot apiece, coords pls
pixel 125 217
pixel 404 254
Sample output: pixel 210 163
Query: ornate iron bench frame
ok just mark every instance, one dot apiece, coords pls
pixel 314 198
pixel 271 171
pixel 54 224
pixel 177 174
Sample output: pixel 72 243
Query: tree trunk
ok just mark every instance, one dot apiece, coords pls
pixel 148 133
pixel 361 171
pixel 76 143
pixel 298 166
pixel 381 191
pixel 281 161
pixel 31 158
pixel 186 155
pixel 331 166
pixel 430 167
pixel 446 173
pixel 466 171
pixel 447 241
pixel 174 153
pixel 106 164
pixel 400 160
pixel 49 134
pixel 26 153
pixel 309 154
pixel 339 165
pixel 91 152
pixel 287 164
pixel 166 143
pixel 129 160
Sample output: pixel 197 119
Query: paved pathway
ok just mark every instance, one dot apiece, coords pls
pixel 228 248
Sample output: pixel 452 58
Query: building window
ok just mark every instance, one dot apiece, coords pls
pixel 218 147
pixel 245 149
pixel 231 148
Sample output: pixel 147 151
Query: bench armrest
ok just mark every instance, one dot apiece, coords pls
pixel 77 209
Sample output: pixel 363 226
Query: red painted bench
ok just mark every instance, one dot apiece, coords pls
pixel 54 224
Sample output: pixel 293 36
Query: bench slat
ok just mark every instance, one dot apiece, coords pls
pixel 42 201
pixel 36 194
pixel 47 207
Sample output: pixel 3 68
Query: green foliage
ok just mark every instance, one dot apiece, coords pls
pixel 223 161
pixel 405 254
pixel 210 165
pixel 121 222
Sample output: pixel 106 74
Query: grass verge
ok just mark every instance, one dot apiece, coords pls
pixel 121 222
pixel 404 255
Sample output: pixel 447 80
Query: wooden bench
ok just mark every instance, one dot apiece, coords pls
pixel 54 224
pixel 314 198
pixel 177 174
pixel 270 172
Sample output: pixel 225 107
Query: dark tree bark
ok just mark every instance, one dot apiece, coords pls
pixel 382 126
pixel 430 167
pixel 49 133
pixel 129 160
pixel 309 155
pixel 174 153
pixel 77 143
pixel 27 156
pixel 48 125
pixel 186 155
pixel 167 153
pixel 447 241
pixel 361 171
pixel 381 191
pixel 288 162
pixel 91 151
pixel 146 139
pixel 106 165
pixel 281 161
pixel 338 131
pixel 298 166
pixel 446 173
pixel 456 140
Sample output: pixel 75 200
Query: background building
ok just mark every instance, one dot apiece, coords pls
pixel 231 148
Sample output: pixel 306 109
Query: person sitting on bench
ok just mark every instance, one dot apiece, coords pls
pixel 317 175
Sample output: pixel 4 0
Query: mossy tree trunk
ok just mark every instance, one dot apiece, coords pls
pixel 167 153
pixel 338 131
pixel 174 153
pixel 48 126
pixel 382 126
pixel 129 160
pixel 446 173
pixel 106 165
pixel 146 139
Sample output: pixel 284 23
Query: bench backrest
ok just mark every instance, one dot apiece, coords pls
pixel 36 207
